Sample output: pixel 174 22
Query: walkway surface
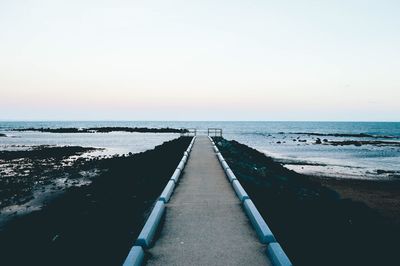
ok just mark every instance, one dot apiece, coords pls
pixel 205 223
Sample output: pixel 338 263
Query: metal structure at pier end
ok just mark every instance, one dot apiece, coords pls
pixel 214 132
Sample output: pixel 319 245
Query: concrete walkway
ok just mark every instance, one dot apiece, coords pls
pixel 205 223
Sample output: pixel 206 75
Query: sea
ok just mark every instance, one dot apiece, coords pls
pixel 294 144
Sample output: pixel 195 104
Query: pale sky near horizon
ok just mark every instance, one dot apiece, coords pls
pixel 200 60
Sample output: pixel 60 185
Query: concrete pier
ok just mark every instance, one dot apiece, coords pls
pixel 204 220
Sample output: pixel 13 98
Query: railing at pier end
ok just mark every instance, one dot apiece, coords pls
pixel 214 132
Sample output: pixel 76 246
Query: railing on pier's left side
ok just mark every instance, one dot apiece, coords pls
pixel 146 237
pixel 214 132
pixel 190 132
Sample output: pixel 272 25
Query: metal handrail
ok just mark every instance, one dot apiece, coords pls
pixel 189 132
pixel 216 131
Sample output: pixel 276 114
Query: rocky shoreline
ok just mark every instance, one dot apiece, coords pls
pixel 317 223
pixel 22 172
pixel 95 223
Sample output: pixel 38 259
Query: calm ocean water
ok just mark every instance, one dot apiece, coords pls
pixel 277 139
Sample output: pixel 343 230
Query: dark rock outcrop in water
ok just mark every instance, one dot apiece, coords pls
pixel 104 130
pixel 312 223
pixel 96 224
pixel 364 142
pixel 2 135
pixel 360 135
pixel 390 173
pixel 41 152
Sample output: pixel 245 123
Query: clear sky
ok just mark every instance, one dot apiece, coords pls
pixel 200 60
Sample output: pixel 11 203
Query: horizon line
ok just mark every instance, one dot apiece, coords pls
pixel 108 120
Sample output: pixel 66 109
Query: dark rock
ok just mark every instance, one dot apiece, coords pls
pixel 308 216
pixel 91 233
pixel 104 130
pixel 358 143
pixel 43 152
pixel 360 135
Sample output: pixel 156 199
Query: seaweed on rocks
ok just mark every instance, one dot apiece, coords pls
pixel 311 222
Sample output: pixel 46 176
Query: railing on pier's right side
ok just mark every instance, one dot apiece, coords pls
pixel 275 252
